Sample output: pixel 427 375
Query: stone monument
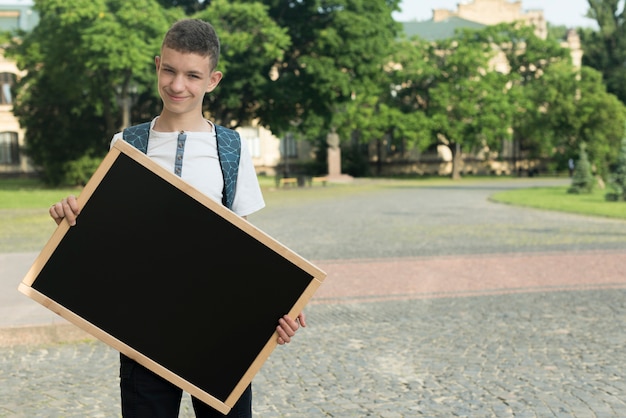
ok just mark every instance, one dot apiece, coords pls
pixel 334 158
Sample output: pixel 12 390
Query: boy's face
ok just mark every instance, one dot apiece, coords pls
pixel 183 79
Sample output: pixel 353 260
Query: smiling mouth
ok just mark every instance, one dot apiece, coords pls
pixel 176 98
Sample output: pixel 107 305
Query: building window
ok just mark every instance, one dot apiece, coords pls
pixel 251 135
pixel 9 20
pixel 9 148
pixel 7 80
pixel 288 146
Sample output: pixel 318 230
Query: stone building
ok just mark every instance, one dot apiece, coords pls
pixel 14 14
pixel 492 12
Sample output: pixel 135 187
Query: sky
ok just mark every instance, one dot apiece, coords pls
pixel 557 12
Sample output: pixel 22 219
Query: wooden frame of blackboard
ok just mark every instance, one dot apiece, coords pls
pixel 171 278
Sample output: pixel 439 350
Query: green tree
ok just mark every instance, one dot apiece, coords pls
pixel 83 61
pixel 575 108
pixel 527 58
pixel 337 49
pixel 383 113
pixel 557 32
pixel 617 178
pixel 253 47
pixel 189 6
pixel 605 48
pixel 582 180
pixel 602 115
pixel 469 107
pixel 410 74
pixel 550 121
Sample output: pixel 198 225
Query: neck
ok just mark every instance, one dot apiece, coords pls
pixel 168 122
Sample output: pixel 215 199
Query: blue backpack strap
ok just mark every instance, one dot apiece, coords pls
pixel 229 152
pixel 137 136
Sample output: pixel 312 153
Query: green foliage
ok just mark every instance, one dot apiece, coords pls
pixel 605 49
pixel 337 51
pixel 189 6
pixel 385 109
pixel 319 166
pixel 549 119
pixel 354 160
pixel 557 32
pixel 469 105
pixel 287 65
pixel 617 178
pixel 252 44
pixel 602 117
pixel 79 171
pixel 411 75
pixel 451 91
pixel 531 61
pixel 81 60
pixel 582 180
pixel 527 55
pixel 557 106
pixel 574 107
pixel 309 66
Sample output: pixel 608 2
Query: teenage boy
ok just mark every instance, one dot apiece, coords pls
pixel 183 141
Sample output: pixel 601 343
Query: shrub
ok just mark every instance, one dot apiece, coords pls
pixel 617 177
pixel 582 179
pixel 78 172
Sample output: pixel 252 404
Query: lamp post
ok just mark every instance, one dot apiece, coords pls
pixel 126 96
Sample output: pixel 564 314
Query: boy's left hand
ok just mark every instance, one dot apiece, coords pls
pixel 287 327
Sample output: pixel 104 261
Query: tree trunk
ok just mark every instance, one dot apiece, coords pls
pixel 379 157
pixel 456 162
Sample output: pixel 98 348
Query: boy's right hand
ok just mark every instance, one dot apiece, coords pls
pixel 66 208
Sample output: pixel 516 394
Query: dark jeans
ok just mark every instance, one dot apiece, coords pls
pixel 147 395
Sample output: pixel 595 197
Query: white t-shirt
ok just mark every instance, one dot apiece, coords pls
pixel 201 166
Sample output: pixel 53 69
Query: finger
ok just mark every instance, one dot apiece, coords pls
pixel 67 208
pixel 73 204
pixel 66 212
pixel 289 325
pixel 70 209
pixel 283 338
pixel 302 319
pixel 54 213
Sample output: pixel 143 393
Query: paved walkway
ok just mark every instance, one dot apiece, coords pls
pixel 438 303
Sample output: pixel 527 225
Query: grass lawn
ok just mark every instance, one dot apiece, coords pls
pixel 24 221
pixel 26 226
pixel 557 199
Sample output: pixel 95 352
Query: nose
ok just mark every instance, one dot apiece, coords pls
pixel 177 83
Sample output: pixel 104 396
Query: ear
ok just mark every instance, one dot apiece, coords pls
pixel 214 80
pixel 157 62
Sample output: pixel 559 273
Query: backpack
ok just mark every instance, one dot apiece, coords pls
pixel 228 150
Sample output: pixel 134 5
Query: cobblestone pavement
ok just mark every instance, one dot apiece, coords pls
pixel 438 303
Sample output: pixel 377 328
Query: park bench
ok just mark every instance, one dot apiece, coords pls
pixel 288 181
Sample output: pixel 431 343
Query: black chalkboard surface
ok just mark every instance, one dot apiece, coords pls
pixel 171 278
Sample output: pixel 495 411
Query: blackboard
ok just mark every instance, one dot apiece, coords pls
pixel 171 278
